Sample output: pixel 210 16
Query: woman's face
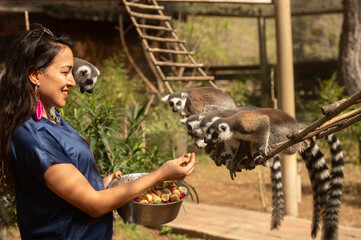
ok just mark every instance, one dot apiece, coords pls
pixel 56 79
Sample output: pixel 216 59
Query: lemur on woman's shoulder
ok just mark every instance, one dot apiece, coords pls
pixel 198 100
pixel 85 75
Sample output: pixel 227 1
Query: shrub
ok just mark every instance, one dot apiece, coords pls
pixel 101 124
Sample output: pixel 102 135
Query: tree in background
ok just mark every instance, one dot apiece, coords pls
pixel 349 62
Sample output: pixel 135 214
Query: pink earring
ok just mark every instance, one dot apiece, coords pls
pixel 39 106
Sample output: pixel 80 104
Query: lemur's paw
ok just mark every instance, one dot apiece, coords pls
pixel 246 162
pixel 226 155
pixel 262 151
pixel 257 156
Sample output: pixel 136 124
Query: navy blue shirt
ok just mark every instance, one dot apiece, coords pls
pixel 41 213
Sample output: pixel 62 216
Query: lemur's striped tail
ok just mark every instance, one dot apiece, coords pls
pixel 320 179
pixel 277 194
pixel 330 216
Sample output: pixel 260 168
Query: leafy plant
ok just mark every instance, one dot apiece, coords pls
pixel 330 91
pixel 114 134
pixel 133 231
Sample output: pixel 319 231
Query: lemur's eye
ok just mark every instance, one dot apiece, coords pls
pixel 189 127
pixel 171 104
pixel 215 135
pixel 179 103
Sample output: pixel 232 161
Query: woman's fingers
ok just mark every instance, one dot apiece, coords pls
pixel 117 175
pixel 108 179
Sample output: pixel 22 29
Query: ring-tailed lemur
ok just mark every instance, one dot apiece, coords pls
pixel 85 76
pixel 198 100
pixel 197 125
pixel 269 126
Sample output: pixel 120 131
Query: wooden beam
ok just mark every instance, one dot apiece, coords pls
pixel 220 1
pixel 286 98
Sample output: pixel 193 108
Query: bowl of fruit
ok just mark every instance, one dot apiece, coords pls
pixel 157 205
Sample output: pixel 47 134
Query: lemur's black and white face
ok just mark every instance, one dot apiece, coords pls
pixel 176 101
pixel 206 123
pixel 192 123
pixel 85 75
pixel 217 132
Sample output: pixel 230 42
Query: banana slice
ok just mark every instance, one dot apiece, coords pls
pixel 165 197
pixel 176 191
pixel 174 197
pixel 183 189
pixel 166 191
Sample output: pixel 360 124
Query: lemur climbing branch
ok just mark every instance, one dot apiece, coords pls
pixel 322 127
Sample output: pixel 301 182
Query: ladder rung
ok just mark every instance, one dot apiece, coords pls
pixel 171 51
pixel 150 16
pixel 144 6
pixel 159 39
pixel 174 64
pixel 161 28
pixel 195 78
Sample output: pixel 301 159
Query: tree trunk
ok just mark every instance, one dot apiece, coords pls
pixel 349 62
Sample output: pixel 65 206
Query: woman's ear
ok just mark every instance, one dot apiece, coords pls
pixel 34 77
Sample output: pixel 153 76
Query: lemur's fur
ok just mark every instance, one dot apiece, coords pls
pixel 277 193
pixel 198 100
pixel 269 126
pixel 85 76
pixel 261 126
pixel 326 188
pixel 197 126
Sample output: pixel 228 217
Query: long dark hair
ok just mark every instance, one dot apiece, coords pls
pixel 33 50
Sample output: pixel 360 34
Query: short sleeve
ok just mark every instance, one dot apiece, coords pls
pixel 53 151
pixel 35 152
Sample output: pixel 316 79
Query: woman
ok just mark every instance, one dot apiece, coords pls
pixel 59 192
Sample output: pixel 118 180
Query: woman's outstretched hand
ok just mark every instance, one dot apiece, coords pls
pixel 179 168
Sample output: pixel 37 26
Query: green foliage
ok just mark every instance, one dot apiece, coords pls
pixel 133 231
pixel 116 83
pixel 329 92
pixel 214 39
pixel 241 91
pixel 165 230
pixel 101 124
pixel 162 126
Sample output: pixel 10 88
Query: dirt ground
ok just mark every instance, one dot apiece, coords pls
pixel 214 186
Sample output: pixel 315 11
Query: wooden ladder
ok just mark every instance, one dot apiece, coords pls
pixel 171 59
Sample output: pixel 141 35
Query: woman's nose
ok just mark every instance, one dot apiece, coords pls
pixel 71 81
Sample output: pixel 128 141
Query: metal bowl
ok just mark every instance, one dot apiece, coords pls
pixel 150 215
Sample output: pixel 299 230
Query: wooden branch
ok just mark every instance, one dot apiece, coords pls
pixel 346 104
pixel 328 108
pixel 132 62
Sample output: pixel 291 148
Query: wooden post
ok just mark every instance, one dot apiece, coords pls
pixel 286 97
pixel 263 59
pixel 27 24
